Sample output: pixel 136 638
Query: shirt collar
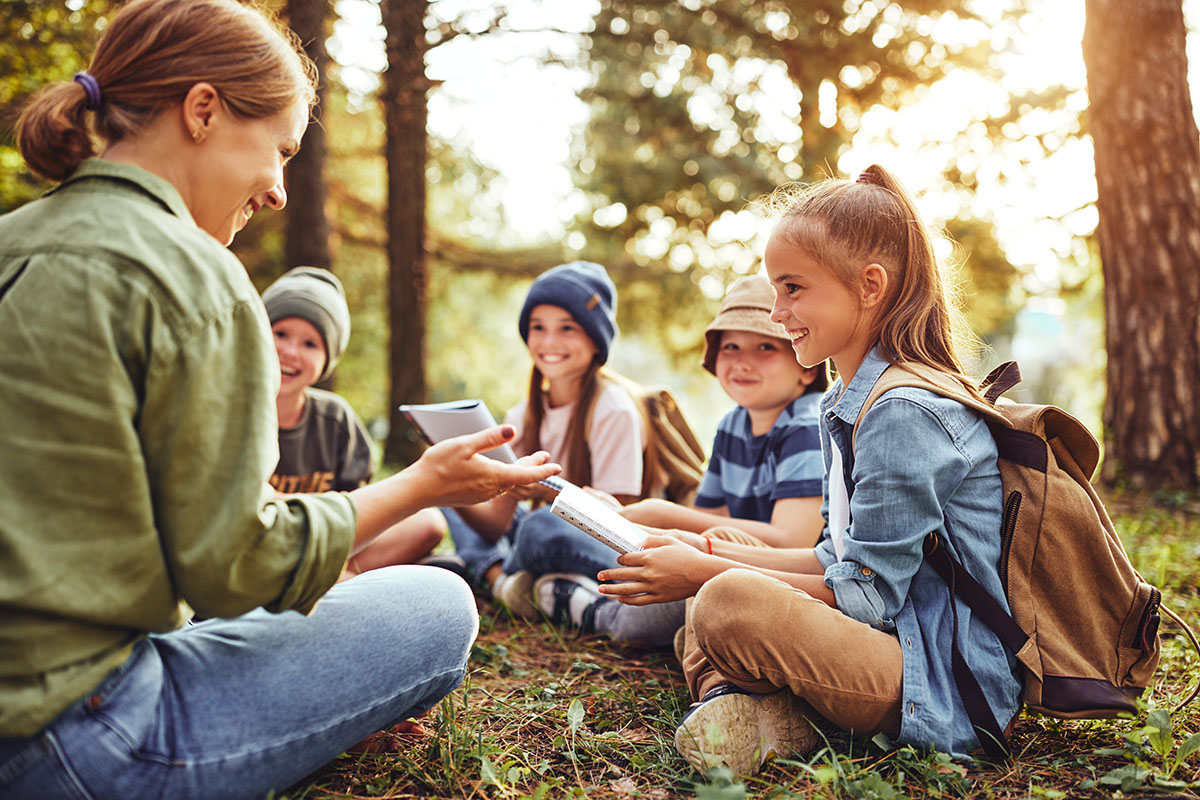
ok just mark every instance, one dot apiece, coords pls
pixel 157 188
pixel 849 404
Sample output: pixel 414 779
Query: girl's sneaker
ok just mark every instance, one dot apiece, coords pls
pixel 569 599
pixel 515 592
pixel 743 731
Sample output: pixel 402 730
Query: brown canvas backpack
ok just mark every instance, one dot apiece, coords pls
pixel 674 460
pixel 1084 624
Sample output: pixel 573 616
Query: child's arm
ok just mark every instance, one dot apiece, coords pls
pixel 491 519
pixel 658 513
pixel 675 567
pixel 795 521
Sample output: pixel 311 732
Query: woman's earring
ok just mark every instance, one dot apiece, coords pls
pixel 197 136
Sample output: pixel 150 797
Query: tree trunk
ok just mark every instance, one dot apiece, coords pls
pixel 307 226
pixel 1147 152
pixel 404 108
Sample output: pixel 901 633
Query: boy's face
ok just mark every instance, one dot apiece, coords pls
pixel 301 352
pixel 759 372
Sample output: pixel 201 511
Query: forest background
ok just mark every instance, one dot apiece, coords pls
pixel 465 146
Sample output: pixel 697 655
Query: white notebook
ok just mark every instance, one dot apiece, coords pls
pixel 438 421
pixel 598 519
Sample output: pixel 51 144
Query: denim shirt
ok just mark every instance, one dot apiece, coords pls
pixel 924 463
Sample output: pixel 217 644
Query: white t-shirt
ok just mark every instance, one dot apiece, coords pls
pixel 615 439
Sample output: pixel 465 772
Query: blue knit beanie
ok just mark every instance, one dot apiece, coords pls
pixel 585 291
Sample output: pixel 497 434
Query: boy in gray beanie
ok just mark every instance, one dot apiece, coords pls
pixel 323 444
pixel 315 295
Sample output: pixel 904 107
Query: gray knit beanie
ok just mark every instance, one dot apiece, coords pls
pixel 315 295
pixel 586 292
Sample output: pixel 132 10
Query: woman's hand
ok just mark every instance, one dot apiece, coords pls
pixel 455 474
pixel 667 569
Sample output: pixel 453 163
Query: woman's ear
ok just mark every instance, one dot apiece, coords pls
pixel 201 109
pixel 872 285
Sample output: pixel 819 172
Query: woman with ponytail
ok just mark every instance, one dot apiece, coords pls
pixel 137 413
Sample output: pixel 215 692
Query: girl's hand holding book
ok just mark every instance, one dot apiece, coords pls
pixel 668 568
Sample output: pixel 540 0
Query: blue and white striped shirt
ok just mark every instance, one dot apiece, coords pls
pixel 748 473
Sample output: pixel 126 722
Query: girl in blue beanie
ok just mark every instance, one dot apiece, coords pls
pixel 577 411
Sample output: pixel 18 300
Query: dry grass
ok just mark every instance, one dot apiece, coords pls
pixel 545 715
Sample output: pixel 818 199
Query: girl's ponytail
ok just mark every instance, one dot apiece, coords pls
pixel 52 132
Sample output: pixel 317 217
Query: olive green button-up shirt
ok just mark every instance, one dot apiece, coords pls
pixel 137 433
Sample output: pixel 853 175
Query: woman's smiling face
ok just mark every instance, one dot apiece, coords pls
pixel 240 169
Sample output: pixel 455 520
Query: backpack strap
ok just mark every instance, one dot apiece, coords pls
pixel 959 582
pixel 1000 380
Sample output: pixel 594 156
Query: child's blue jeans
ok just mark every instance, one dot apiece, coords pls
pixel 546 543
pixel 235 708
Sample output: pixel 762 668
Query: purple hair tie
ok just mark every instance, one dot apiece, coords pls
pixel 92 87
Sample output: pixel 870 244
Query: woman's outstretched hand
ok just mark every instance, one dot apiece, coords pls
pixel 670 567
pixel 456 474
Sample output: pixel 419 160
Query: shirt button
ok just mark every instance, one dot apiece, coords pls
pixel 866 572
pixel 908 641
pixel 94 701
pixel 912 709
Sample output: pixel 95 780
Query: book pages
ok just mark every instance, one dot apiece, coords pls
pixel 598 519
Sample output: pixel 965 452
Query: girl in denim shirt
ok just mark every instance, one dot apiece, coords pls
pixel 858 629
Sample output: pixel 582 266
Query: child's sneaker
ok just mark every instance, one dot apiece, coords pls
pixel 515 592
pixel 743 731
pixel 569 598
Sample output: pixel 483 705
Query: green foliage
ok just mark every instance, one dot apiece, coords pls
pixel 717 102
pixel 41 42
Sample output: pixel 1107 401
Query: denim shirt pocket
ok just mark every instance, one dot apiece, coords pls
pixel 853 586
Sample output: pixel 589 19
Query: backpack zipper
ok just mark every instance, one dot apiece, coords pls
pixel 1008 526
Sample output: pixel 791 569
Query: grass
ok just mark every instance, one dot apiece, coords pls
pixel 545 714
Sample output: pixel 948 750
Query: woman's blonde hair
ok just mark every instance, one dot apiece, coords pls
pixel 147 59
pixel 846 225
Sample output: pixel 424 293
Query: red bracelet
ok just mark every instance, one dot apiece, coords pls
pixel 710 552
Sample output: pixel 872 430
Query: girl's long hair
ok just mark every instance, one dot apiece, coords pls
pixel 577 460
pixel 147 59
pixel 846 225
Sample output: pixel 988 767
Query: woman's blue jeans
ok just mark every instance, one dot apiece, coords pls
pixel 236 708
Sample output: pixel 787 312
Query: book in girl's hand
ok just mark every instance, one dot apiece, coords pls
pixel 598 519
pixel 436 422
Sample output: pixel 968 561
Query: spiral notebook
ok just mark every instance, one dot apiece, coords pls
pixel 598 519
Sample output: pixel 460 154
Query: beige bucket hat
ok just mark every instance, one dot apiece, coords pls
pixel 746 307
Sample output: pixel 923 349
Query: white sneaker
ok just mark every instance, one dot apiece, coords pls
pixel 743 731
pixel 569 599
pixel 515 592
